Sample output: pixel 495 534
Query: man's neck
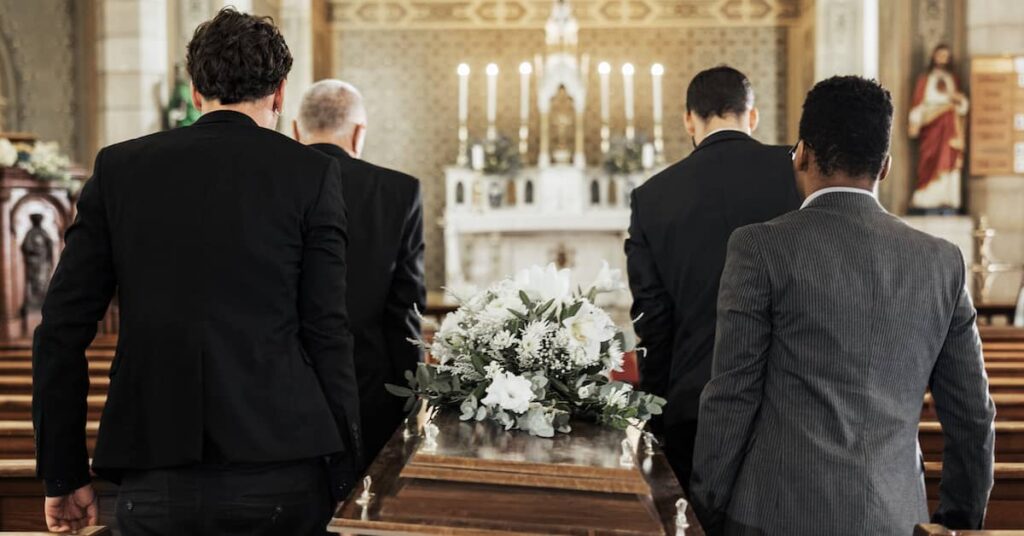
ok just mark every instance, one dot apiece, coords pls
pixel 259 111
pixel 717 124
pixel 840 181
pixel 344 145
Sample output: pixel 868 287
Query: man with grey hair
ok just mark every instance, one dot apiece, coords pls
pixel 385 241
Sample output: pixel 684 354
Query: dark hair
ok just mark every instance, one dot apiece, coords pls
pixel 719 91
pixel 931 58
pixel 847 122
pixel 236 57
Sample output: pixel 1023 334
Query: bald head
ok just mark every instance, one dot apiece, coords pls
pixel 332 112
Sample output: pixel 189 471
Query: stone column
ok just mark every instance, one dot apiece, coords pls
pixel 296 23
pixel 133 66
pixel 994 27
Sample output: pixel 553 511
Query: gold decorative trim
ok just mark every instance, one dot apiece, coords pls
pixel 531 14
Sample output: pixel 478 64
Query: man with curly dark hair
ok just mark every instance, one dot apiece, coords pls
pixel 833 321
pixel 233 406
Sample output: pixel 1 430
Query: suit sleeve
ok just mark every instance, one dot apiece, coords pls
pixel 78 296
pixel 731 400
pixel 408 292
pixel 652 306
pixel 965 409
pixel 324 330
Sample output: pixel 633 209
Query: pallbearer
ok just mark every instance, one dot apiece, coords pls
pixel 385 242
pixel 682 219
pixel 233 378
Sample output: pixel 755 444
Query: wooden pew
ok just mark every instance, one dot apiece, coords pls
pixel 19 407
pixel 1009 441
pixel 88 531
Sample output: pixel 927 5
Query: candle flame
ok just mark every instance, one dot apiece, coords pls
pixel 657 69
pixel 604 68
pixel 492 69
pixel 627 69
pixel 463 69
pixel 525 68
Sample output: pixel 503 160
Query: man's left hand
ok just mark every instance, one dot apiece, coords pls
pixel 74 511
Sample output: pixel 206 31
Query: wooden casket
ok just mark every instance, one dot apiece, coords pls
pixel 445 476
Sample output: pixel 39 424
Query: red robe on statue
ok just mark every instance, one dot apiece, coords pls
pixel 936 120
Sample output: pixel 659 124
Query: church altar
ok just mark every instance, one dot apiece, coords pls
pixel 443 476
pixel 501 218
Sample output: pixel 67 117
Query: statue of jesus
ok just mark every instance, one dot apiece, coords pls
pixel 937 121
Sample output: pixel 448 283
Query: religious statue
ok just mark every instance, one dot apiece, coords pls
pixel 180 111
pixel 37 254
pixel 937 121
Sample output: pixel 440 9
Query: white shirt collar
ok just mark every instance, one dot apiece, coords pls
pixel 836 189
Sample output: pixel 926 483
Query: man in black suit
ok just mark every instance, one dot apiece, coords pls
pixel 385 277
pixel 233 378
pixel 681 222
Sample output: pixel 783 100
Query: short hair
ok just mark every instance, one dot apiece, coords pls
pixel 719 91
pixel 236 57
pixel 847 123
pixel 331 106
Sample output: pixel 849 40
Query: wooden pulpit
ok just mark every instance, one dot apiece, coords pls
pixel 476 478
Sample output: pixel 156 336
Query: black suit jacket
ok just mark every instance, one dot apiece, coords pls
pixel 385 282
pixel 226 244
pixel 680 226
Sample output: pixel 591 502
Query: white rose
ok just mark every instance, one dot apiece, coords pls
pixel 588 328
pixel 509 392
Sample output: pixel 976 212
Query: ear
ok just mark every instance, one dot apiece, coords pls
pixel 197 99
pixel 358 139
pixel 295 131
pixel 802 159
pixel 279 97
pixel 754 117
pixel 691 124
pixel 886 168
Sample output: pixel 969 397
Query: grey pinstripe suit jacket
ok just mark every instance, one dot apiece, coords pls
pixel 832 322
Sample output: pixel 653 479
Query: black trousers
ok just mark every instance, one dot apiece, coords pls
pixel 678 442
pixel 273 499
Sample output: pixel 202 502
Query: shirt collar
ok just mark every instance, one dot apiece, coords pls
pixel 837 189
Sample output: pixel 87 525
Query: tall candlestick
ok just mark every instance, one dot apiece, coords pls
pixel 656 72
pixel 492 99
pixel 605 71
pixel 627 86
pixel 463 72
pixel 524 104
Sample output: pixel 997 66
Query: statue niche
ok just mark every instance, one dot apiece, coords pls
pixel 37 256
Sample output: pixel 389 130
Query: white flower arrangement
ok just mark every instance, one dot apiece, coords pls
pixel 46 162
pixel 529 354
pixel 8 153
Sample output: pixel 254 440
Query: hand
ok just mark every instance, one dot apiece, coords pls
pixel 72 512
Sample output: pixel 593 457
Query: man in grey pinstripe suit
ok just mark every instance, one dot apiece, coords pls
pixel 832 322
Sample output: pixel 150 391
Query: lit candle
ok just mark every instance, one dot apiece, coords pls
pixel 492 95
pixel 656 72
pixel 647 155
pixel 463 72
pixel 525 69
pixel 627 86
pixel 605 71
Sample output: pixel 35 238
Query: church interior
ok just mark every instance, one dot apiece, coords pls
pixel 527 123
